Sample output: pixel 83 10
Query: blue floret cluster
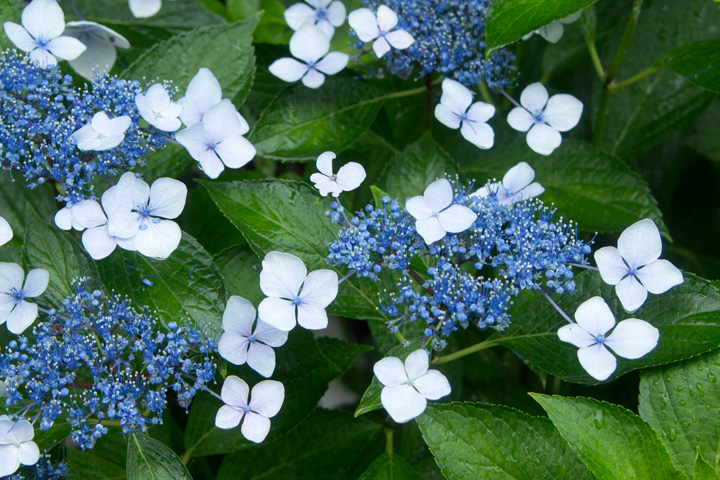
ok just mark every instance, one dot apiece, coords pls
pixel 98 358
pixel 39 111
pixel 465 278
pixel 449 39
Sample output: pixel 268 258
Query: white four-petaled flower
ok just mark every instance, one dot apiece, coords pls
pixel 633 267
pixel 40 34
pixel 281 279
pixel 631 338
pixel 90 216
pixel 457 110
pixel 202 93
pixel 324 14
pixel 6 232
pixel 144 8
pixel 158 110
pixel 517 184
pixel 239 343
pixel 544 118
pixel 379 28
pixel 310 45
pixel 100 42
pixel 265 401
pixel 435 213
pixel 102 133
pixel 16 445
pixel 14 289
pixel 408 386
pixel 348 178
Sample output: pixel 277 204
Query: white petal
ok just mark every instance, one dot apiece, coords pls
pixel 659 276
pixel 456 218
pixel 325 27
pixel 85 138
pixel 534 97
pixel 631 293
pixel 267 397
pixel 28 453
pixel 20 37
pixel 22 316
pixel 551 32
pixel 640 243
pixel 235 151
pixel 403 403
pixel 298 14
pixel 228 417
pixel 145 8
pixel 419 207
pixel 88 214
pixel 520 119
pixel 313 79
pixel 311 317
pixel 447 116
pixel 350 176
pixel 518 177
pixel 381 47
pixel 36 282
pixel 633 338
pixel 324 163
pixel 255 427
pixel 278 312
pixel 158 240
pixel 364 23
pixel 335 13
pixel 43 58
pixel 430 229
pixel 531 191
pixel 270 335
pixel 64 218
pixel 43 19
pixel 333 63
pixel 390 371
pixel 433 385
pixel 115 201
pixel 597 361
pixel 233 347
pixel 309 44
pixel 167 198
pixel 326 185
pixel 6 232
pixel 399 39
pixel 595 317
pixel 124 225
pixel 136 189
pixel 11 277
pixel 261 358
pixel 288 69
pixel 77 28
pixel 611 265
pixel 439 195
pixel 320 288
pixel 66 48
pixel 416 364
pixel 239 316
pixel 282 275
pixel 98 242
pixel 202 93
pixel 386 18
pixel 479 134
pixel 563 112
pixel 7 304
pixel 235 391
pixel 575 334
pixel 9 460
pixel 222 121
pixel 543 139
pixel 480 112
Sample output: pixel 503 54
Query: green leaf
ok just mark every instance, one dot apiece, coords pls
pixel 88 466
pixel 681 401
pixel 703 470
pixel 420 164
pixel 10 11
pixel 152 460
pixel 328 445
pixel 290 217
pixel 47 439
pixel 176 14
pixel 699 62
pixel 688 317
pixel 240 270
pixel 389 466
pixel 702 135
pixel 509 20
pixel 473 440
pixel 48 247
pixel 304 366
pixel 185 285
pixel 612 441
pixel 584 183
pixel 15 195
pixel 371 398
pixel 301 123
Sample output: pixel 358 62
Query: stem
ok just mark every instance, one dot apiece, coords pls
pixel 485 93
pixel 594 57
pixel 389 441
pixel 556 307
pixel 420 281
pixel 75 10
pixel 587 267
pixel 429 100
pixel 350 274
pixel 112 184
pixel 624 42
pixel 613 87
pixel 464 352
pixel 601 115
pixel 511 99
pixel 401 338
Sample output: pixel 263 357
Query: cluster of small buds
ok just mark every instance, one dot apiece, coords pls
pixel 40 110
pixel 98 358
pixel 518 240
pixel 448 39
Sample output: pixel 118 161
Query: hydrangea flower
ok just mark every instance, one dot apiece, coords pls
pixel 158 110
pixel 144 213
pixel 408 386
pixel 217 141
pixel 203 92
pixel 324 14
pixel 348 178
pixel 281 279
pixel 90 216
pixel 100 42
pixel 310 45
pixel 16 445
pixel 544 118
pixel 266 399
pixel 517 185
pixel 239 343
pixel 40 34
pixel 456 110
pixel 14 309
pixel 380 29
pixel 633 267
pixel 102 133
pixel 6 232
pixel 631 338
pixel 144 8
pixel 435 214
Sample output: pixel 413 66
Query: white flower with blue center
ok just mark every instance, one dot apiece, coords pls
pixel 144 8
pixel 457 110
pixel 40 34
pixel 158 110
pixel 266 399
pixel 369 27
pixel 16 445
pixel 14 289
pixel 544 118
pixel 239 343
pixel 295 296
pixel 324 14
pixel 631 338
pixel 517 184
pixel 144 214
pixel 408 386
pixel 100 42
pixel 310 45
pixel 435 214
pixel 634 266
pixel 348 178
pixel 6 232
pixel 102 133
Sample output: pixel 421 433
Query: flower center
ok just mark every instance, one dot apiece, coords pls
pixel 632 271
pixel 538 117
pixel 252 338
pixel 18 295
pixel 246 408
pixel 297 300
pixel 321 14
pixel 435 214
pixel 600 339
